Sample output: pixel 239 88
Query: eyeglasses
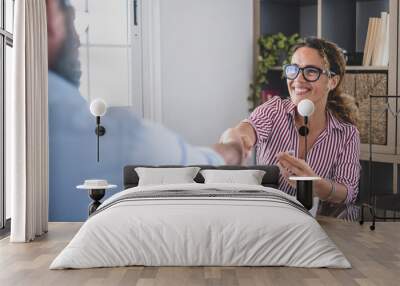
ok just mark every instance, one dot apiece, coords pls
pixel 310 73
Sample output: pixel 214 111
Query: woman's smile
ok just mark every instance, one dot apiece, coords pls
pixel 301 90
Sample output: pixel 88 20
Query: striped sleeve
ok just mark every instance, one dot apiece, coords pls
pixel 262 119
pixel 347 168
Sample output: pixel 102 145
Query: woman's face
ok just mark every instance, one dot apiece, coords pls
pixel 316 91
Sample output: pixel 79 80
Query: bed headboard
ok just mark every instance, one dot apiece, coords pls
pixel 270 179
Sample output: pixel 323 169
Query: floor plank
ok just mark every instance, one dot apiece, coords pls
pixel 374 255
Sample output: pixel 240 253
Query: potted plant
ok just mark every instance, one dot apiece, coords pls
pixel 275 50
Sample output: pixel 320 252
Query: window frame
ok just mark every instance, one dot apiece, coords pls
pixel 6 39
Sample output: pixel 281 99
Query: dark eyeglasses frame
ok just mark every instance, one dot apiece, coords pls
pixel 327 72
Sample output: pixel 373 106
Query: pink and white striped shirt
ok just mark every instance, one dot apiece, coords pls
pixel 334 155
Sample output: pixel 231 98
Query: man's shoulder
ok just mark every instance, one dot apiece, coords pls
pixel 57 81
pixel 62 91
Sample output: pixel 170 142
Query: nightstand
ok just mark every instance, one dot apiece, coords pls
pixel 96 190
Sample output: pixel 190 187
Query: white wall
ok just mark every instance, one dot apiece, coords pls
pixel 206 61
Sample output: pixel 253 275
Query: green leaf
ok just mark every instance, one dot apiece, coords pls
pixel 271 46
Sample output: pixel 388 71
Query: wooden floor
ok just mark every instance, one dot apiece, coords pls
pixel 375 256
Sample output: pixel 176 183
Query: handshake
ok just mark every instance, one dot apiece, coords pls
pixel 235 144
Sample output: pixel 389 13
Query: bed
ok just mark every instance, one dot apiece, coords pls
pixel 201 224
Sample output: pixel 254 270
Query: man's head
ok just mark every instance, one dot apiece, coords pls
pixel 63 41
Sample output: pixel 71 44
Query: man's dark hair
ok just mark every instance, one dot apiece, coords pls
pixel 67 63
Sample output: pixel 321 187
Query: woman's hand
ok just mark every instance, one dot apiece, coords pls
pixel 236 135
pixel 236 143
pixel 292 166
pixel 230 152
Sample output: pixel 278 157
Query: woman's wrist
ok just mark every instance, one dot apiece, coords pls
pixel 325 189
pixel 331 193
pixel 329 190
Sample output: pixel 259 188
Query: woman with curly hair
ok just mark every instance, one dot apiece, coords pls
pixel 316 72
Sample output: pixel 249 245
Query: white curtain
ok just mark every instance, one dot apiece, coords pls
pixel 27 123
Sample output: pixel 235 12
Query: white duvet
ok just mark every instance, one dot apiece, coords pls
pixel 200 231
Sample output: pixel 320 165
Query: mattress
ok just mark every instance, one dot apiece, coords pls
pixel 201 225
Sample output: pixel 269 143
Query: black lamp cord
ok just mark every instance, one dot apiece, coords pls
pixel 303 131
pixel 98 136
pixel 305 138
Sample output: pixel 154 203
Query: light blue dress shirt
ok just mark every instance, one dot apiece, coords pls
pixel 128 140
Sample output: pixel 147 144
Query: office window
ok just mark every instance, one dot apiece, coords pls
pixel 9 15
pixel 110 61
pixel 6 44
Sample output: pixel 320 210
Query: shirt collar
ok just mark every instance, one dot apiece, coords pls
pixel 333 122
pixel 290 107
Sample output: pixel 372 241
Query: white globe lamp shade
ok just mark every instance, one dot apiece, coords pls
pixel 305 107
pixel 98 107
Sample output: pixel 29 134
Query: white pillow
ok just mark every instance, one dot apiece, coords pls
pixel 163 176
pixel 248 177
